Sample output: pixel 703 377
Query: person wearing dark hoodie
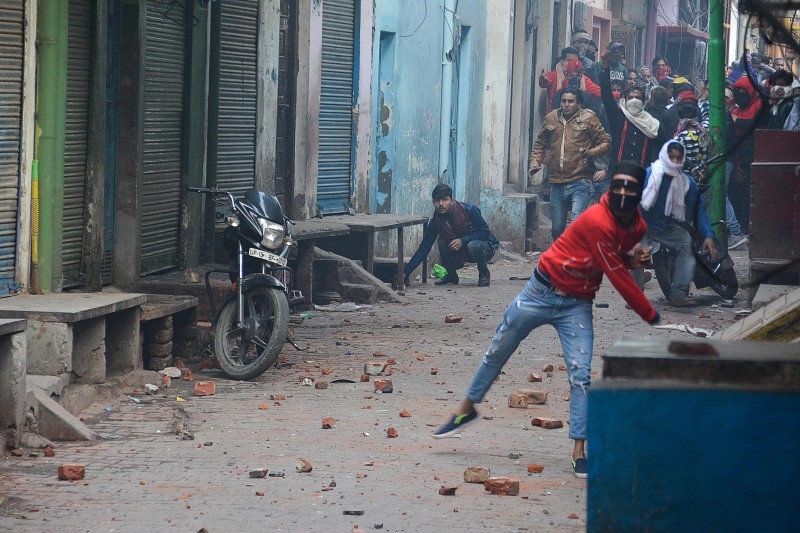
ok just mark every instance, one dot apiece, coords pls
pixel 745 117
pixel 684 105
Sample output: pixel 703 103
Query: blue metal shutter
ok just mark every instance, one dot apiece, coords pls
pixel 76 138
pixel 162 152
pixel 11 60
pixel 336 106
pixel 238 96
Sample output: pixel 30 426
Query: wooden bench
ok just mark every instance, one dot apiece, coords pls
pixel 12 377
pixel 306 232
pixel 87 335
pixel 366 226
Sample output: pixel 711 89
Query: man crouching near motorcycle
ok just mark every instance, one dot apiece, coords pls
pixel 670 197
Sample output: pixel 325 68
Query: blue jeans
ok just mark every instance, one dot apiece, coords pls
pixel 480 252
pixel 599 188
pixel 678 239
pixel 567 197
pixel 535 306
pixel 730 215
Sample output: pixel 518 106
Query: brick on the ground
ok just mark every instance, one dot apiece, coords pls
pixel 71 472
pixel 502 486
pixel 534 396
pixel 547 423
pixel 205 388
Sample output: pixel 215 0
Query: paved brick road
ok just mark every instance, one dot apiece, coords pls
pixel 143 477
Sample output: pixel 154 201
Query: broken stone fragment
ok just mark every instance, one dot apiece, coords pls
pixel 328 423
pixel 391 433
pixel 205 388
pixel 364 378
pixel 534 396
pixel 70 472
pixel 447 491
pixel 476 474
pixel 547 368
pixel 166 381
pixel 502 486
pixel 149 388
pixel 278 397
pixel 171 371
pixel 547 423
pixel 533 377
pixel 434 371
pixel 404 414
pixel 565 396
pixel 321 385
pixel 518 401
pixel 374 368
pixel 302 465
pixel 383 385
pixel 49 451
pixel 259 473
pixel 534 468
pixel 453 318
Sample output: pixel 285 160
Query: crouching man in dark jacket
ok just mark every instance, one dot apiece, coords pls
pixel 463 236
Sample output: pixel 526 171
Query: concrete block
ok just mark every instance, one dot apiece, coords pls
pixel 52 385
pixel 476 474
pixel 123 341
pixel 12 391
pixel 55 422
pixel 89 351
pixel 49 346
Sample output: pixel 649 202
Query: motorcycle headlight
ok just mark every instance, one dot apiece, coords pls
pixel 271 234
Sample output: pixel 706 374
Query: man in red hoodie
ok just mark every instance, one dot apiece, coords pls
pixel 603 240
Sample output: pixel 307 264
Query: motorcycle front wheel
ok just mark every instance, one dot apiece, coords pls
pixel 247 350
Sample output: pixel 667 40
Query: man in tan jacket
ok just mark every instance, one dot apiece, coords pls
pixel 570 139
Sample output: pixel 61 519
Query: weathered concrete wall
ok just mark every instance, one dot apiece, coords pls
pixel 12 374
pixel 406 168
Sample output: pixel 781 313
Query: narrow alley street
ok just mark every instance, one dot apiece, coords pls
pixel 163 464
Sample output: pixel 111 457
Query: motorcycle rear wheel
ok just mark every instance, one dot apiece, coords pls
pixel 725 283
pixel 246 351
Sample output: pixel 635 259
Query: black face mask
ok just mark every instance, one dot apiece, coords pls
pixel 742 98
pixel 622 203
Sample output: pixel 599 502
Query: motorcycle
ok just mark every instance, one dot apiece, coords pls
pixel 708 272
pixel 253 321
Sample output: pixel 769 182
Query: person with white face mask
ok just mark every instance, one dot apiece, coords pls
pixel 634 131
pixel 670 197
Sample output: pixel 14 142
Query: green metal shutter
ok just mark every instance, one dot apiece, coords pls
pixel 11 60
pixel 76 138
pixel 236 145
pixel 162 153
pixel 336 106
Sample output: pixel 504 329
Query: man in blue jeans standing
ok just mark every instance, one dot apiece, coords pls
pixel 570 140
pixel 604 240
pixel 463 237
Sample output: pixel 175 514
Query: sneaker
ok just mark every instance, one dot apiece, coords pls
pixel 684 301
pixel 448 279
pixel 456 424
pixel 579 465
pixel 735 241
pixel 484 278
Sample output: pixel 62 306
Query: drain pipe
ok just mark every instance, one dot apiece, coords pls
pixel 35 287
pixel 51 106
pixel 447 91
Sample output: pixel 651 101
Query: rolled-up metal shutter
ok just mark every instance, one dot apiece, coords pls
pixel 162 152
pixel 75 138
pixel 336 106
pixel 11 60
pixel 236 144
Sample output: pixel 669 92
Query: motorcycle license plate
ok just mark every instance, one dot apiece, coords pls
pixel 272 258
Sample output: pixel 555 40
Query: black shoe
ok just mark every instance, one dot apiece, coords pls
pixel 484 278
pixel 448 279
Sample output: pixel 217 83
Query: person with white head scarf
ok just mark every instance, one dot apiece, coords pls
pixel 669 199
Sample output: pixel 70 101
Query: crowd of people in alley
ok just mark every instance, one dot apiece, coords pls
pixel 624 152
